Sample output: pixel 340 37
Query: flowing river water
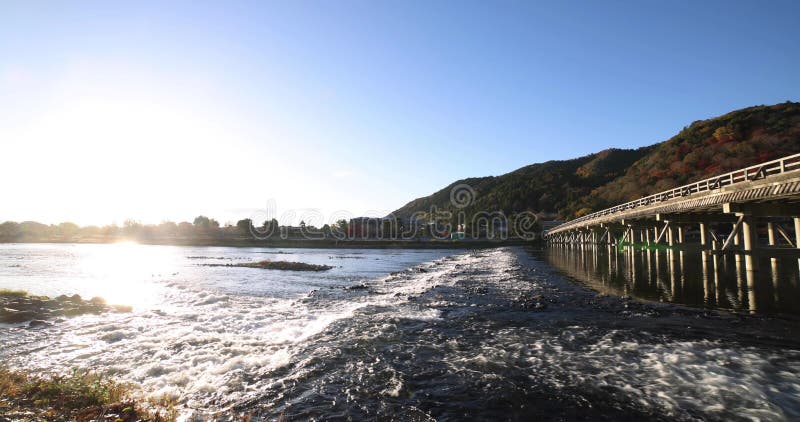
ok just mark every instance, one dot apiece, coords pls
pixel 494 334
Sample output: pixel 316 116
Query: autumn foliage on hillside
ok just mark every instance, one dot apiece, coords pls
pixel 572 188
pixel 707 148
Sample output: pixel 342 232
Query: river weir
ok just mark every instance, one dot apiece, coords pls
pixel 505 333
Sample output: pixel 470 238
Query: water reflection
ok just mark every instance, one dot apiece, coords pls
pixel 724 281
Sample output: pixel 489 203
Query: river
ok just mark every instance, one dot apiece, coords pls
pixel 505 333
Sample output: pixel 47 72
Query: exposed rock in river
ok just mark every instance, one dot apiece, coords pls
pixel 277 265
pixel 17 307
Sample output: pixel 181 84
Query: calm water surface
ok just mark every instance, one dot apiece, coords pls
pixel 407 334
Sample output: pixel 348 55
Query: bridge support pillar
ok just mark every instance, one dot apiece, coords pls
pixel 771 233
pixel 670 235
pixel 750 240
pixel 703 235
pixel 747 234
pixel 797 232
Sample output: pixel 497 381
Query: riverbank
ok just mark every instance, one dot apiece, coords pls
pixel 78 396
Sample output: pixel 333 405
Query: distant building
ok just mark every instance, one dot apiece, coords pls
pixel 370 228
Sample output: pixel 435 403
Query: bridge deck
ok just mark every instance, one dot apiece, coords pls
pixel 777 180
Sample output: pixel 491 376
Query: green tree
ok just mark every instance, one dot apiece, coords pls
pixel 201 221
pixel 244 226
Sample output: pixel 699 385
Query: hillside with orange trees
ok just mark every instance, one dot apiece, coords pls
pixel 570 188
pixel 706 148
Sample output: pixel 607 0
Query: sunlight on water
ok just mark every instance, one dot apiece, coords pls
pixel 122 273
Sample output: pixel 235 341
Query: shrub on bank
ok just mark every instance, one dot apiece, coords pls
pixel 79 396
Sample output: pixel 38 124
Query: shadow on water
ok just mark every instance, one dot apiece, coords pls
pixel 729 281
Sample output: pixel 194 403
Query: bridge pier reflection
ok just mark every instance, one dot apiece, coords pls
pixel 689 277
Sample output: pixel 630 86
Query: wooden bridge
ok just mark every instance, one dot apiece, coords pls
pixel 719 210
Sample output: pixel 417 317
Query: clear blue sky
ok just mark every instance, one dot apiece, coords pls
pixel 114 110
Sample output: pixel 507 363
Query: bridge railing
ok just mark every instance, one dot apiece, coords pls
pixel 756 172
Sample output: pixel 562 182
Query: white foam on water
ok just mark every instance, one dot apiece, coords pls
pixel 674 378
pixel 394 386
pixel 196 348
pixel 198 344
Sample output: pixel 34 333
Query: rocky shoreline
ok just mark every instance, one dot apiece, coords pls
pixel 17 307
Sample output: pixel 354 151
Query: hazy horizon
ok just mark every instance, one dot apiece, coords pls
pixel 161 112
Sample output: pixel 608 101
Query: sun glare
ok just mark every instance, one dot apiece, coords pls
pixel 127 159
pixel 125 273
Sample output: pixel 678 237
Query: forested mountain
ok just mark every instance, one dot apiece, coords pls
pixel 571 188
